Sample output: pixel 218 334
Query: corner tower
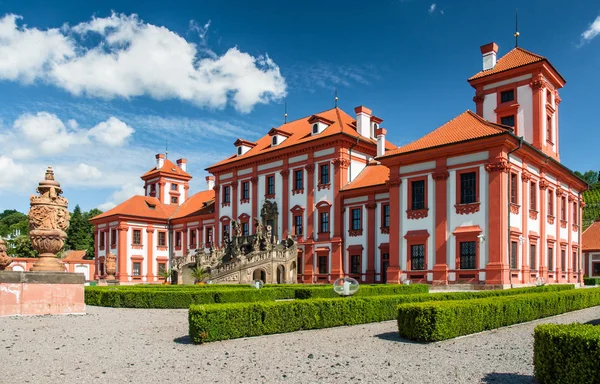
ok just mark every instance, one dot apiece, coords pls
pixel 168 182
pixel 520 89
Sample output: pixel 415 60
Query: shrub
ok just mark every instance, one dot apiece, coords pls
pixel 229 321
pixel 434 321
pixel 326 291
pixel 591 281
pixel 566 353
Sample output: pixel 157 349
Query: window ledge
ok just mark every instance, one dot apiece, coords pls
pixel 192 246
pixel 323 236
pixel 385 230
pixel 270 196
pixel 514 208
pixel 549 142
pixel 297 191
pixel 323 186
pixel 550 219
pixel 575 227
pixel 563 223
pixel 415 214
pixel 533 214
pixel 162 248
pixel 178 248
pixel 355 232
pixel 113 246
pixel 137 246
pixel 467 209
pixel 101 248
pixel 225 204
pixel 244 201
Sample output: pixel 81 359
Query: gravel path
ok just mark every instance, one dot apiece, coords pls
pixel 110 345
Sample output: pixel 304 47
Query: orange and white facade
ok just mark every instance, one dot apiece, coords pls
pixel 483 199
pixel 73 262
pixel 590 242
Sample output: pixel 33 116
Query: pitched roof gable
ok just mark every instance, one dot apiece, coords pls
pixel 466 126
pixel 168 168
pixel 201 203
pixel 141 206
pixel 516 57
pixel 590 238
pixel 373 174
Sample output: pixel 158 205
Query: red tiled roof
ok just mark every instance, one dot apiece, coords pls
pixel 168 167
pixel 301 132
pixel 141 206
pixel 373 174
pixel 590 238
pixel 517 57
pixel 74 255
pixel 466 126
pixel 199 204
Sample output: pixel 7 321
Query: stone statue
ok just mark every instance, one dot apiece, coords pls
pixel 5 260
pixel 48 221
pixel 259 227
pixel 235 228
pixel 111 266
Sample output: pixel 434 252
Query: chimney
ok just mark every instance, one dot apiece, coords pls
pixel 210 182
pixel 181 163
pixel 380 133
pixel 160 161
pixel 363 121
pixel 489 55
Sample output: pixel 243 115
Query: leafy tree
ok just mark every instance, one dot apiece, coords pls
pixel 22 247
pixel 10 220
pixel 78 234
pixel 591 177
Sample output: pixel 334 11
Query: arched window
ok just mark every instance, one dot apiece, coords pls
pixel 274 140
pixel 315 128
pixel 239 151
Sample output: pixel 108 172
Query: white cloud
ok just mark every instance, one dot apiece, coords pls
pixel 592 31
pixel 432 8
pixel 134 58
pixel 125 192
pixel 111 132
pixel 12 173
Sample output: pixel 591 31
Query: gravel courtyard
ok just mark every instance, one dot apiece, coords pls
pixel 111 345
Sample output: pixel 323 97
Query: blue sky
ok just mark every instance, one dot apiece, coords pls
pixel 95 88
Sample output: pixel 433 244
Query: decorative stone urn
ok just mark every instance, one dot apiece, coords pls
pixel 48 221
pixel 111 266
pixel 5 260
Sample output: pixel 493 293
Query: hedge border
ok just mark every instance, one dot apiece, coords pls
pixel 228 321
pixel 436 321
pixel 591 281
pixel 566 353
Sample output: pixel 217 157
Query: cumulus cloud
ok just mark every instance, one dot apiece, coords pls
pixel 592 31
pixel 132 58
pixel 125 192
pixel 11 173
pixel 111 132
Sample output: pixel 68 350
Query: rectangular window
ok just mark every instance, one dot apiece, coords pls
pixel 514 251
pixel 178 239
pixel 192 235
pixel 101 237
pixel 574 261
pixel 209 235
pixel 113 237
pixel 245 229
pixel 324 174
pixel 298 179
pixel 174 200
pixel 532 195
pixel 225 229
pixel 356 219
pixel 137 237
pixel 508 120
pixel 550 202
pixel 162 239
pixel 323 265
pixel 563 208
pixel 550 259
pixel 298 225
pixel 245 190
pixel 386 216
pixel 418 194
pixel 514 188
pixel 226 195
pixel 162 267
pixel 468 188
pixel 355 264
pixel 270 185
pixel 468 254
pixel 324 222
pixel 137 268
pixel 549 128
pixel 575 214
pixel 563 259
pixel 532 257
pixel 417 257
pixel 507 96
pixel 173 187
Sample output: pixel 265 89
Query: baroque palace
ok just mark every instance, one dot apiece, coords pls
pixel 483 199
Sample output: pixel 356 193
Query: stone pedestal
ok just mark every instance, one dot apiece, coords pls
pixel 41 293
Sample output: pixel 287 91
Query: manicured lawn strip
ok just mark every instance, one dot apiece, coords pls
pixel 128 297
pixel 566 353
pixel 435 321
pixel 228 321
pixel 591 281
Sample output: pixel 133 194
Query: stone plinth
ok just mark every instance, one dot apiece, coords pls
pixel 41 293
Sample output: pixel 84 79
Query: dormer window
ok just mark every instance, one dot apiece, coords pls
pixel 274 141
pixel 315 128
pixel 243 146
pixel 278 136
pixel 319 124
pixel 239 151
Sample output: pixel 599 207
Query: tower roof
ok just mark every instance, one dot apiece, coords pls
pixel 168 168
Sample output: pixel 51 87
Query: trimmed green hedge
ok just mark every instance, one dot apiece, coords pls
pixel 130 297
pixel 445 320
pixel 591 281
pixel 229 321
pixel 566 353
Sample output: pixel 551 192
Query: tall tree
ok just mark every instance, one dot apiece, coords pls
pixel 79 235
pixel 590 177
pixel 22 247
pixel 10 220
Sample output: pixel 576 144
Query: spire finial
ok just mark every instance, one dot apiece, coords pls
pixel 516 28
pixel 335 99
pixel 285 112
pixel 166 148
